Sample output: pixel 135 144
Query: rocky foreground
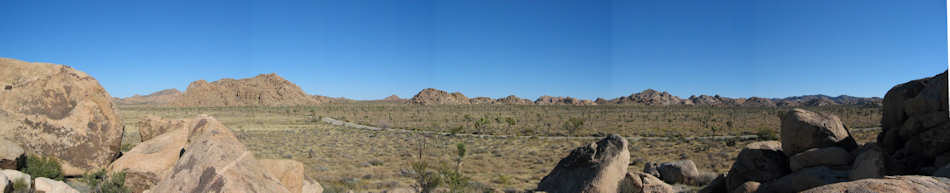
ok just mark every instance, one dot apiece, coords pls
pixel 816 154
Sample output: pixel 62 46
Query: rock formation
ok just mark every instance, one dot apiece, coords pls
pixel 157 98
pixel 596 168
pixel 150 160
pixel 261 90
pixel 214 160
pixel 394 99
pixel 803 130
pixel 650 97
pixel 513 100
pixel 431 96
pixel 916 126
pixel 57 111
pixel 903 184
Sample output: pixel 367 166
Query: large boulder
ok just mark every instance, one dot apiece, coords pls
pixel 596 168
pixel 215 161
pixel 916 125
pixel 805 179
pixel 803 130
pixel 153 126
pixel 826 156
pixel 759 162
pixel 717 185
pixel 431 96
pixel 310 186
pixel 151 160
pixel 638 182
pixel 57 111
pixel 868 164
pixel 46 185
pixel 11 155
pixel 902 184
pixel 288 172
pixel 678 172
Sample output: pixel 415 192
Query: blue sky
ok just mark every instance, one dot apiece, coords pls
pixel 371 49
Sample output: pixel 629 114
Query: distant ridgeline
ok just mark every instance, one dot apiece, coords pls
pixel 273 90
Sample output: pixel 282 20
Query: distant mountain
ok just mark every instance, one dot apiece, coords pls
pixel 157 98
pixel 261 90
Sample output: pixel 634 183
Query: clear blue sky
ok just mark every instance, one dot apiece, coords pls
pixel 587 49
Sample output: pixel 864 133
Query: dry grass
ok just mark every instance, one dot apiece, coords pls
pixel 366 160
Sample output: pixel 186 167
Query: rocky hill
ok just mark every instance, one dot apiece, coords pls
pixel 431 96
pixel 157 98
pixel 261 90
pixel 651 97
pixel 394 99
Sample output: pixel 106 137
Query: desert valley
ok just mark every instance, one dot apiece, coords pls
pixel 63 132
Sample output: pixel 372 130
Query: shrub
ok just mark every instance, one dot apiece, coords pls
pixel 101 182
pixel 766 134
pixel 425 180
pixel 20 185
pixel 46 167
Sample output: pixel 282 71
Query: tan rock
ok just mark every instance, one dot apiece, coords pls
pixel 15 176
pixel 431 96
pixel 215 161
pixel 747 187
pixel 759 162
pixel 153 126
pixel 46 185
pixel 288 172
pixel 638 182
pixel 149 161
pixel 57 111
pixel 11 155
pixel 902 184
pixel 826 156
pixel 596 168
pixel 261 90
pixel 310 186
pixel 803 130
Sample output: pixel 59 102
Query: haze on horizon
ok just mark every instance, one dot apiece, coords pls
pixel 586 49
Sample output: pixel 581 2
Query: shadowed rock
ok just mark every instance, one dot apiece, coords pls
pixel 803 130
pixel 596 168
pixel 759 162
pixel 916 125
pixel 638 182
pixel 902 184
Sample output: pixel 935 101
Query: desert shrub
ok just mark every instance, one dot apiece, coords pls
pixel 20 186
pixel 573 124
pixel 425 180
pixel 455 181
pixel 766 134
pixel 46 167
pixel 102 182
pixel 126 147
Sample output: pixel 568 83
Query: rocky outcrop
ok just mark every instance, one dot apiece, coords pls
pixel 431 96
pixel 803 130
pixel 157 98
pixel 916 125
pixel 261 90
pixel 549 100
pixel 758 102
pixel 596 168
pixel 760 162
pixel 394 99
pixel 57 111
pixel 513 100
pixel 47 185
pixel 151 160
pixel 650 97
pixel 903 184
pixel 805 179
pixel 480 100
pixel 215 161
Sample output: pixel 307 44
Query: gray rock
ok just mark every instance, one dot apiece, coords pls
pixel 759 162
pixel 868 164
pixel 11 155
pixel 596 168
pixel 637 182
pixel 805 179
pixel 826 156
pixel 915 125
pixel 803 130
pixel 15 176
pixel 46 185
pixel 678 172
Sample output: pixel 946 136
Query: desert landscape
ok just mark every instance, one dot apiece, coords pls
pixel 463 96
pixel 264 133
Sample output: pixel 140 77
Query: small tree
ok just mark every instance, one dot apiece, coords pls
pixel 460 149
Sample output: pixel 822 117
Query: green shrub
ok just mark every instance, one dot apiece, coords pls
pixel 101 182
pixel 46 167
pixel 20 185
pixel 425 180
